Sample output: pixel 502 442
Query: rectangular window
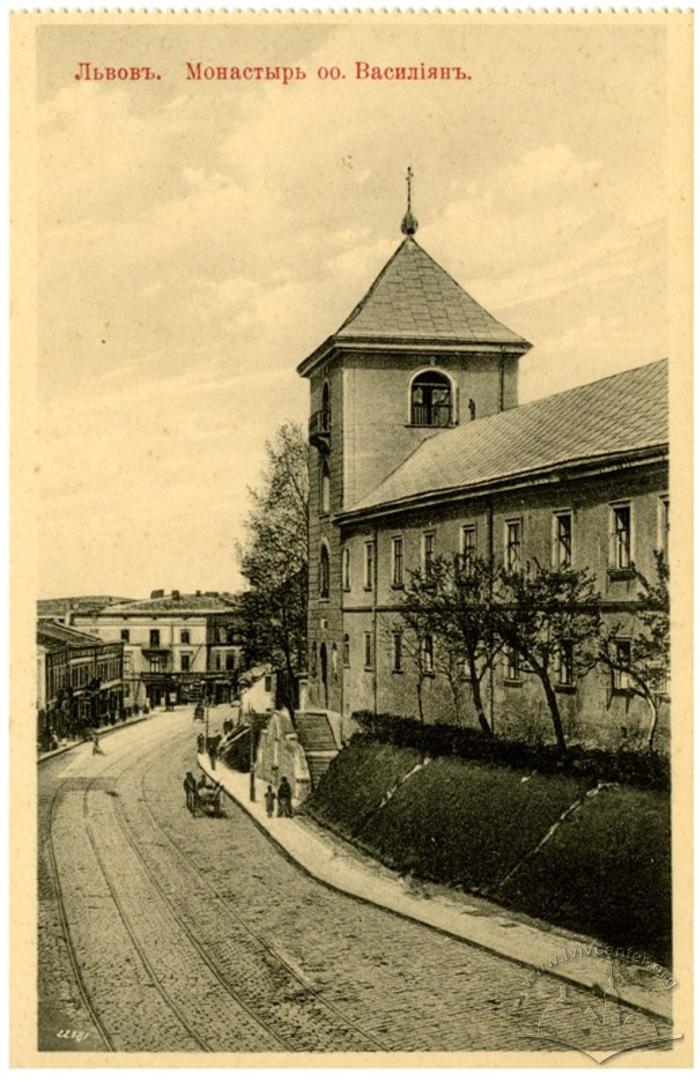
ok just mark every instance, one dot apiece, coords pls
pixel 368 649
pixel 154 638
pixel 397 561
pixel 621 536
pixel 346 568
pixel 396 647
pixel 428 552
pixel 664 527
pixel 622 657
pixel 369 564
pixel 346 651
pixel 565 665
pixel 185 662
pixel 155 664
pixel 428 655
pixel 185 637
pixel 512 665
pixel 513 544
pixel 468 547
pixel 562 535
pixel 124 636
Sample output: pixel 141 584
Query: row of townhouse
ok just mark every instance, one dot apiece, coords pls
pixel 79 682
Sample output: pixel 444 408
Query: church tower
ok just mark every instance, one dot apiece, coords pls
pixel 418 354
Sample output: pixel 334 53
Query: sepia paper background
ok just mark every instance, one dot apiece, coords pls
pixel 74 382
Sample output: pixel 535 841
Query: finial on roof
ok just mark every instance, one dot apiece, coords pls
pixel 409 225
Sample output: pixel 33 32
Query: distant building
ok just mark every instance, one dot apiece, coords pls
pixel 177 646
pixel 63 609
pixel 79 681
pixel 421 450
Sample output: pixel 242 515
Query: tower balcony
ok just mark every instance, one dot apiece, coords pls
pixel 320 429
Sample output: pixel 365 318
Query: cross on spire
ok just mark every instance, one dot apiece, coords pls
pixel 409 225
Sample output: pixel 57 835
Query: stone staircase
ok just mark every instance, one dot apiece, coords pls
pixel 317 739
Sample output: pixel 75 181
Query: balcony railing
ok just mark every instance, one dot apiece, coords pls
pixel 431 416
pixel 320 429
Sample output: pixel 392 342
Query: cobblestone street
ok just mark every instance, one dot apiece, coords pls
pixel 163 932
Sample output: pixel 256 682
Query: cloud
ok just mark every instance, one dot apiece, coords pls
pixel 544 169
pixel 198 240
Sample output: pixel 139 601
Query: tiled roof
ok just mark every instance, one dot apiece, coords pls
pixel 56 606
pixel 57 636
pixel 623 413
pixel 413 297
pixel 196 603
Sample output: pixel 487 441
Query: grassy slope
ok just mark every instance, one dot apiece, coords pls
pixel 606 870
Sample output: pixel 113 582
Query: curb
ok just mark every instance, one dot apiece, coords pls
pixel 590 986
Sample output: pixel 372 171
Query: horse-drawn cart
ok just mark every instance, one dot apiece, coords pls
pixel 208 799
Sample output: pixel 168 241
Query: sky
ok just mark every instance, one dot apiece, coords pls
pixel 198 239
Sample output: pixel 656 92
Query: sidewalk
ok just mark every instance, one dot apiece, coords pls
pixel 105 731
pixel 501 931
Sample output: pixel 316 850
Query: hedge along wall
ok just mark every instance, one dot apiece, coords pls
pixel 605 871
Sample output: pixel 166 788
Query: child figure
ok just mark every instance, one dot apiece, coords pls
pixel 270 801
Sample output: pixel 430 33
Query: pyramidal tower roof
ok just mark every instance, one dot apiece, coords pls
pixel 413 297
pixel 414 301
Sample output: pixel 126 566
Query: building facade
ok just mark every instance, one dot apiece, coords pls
pixel 178 647
pixel 79 682
pixel 421 449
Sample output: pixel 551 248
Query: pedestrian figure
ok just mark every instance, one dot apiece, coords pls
pixel 270 798
pixel 96 749
pixel 284 799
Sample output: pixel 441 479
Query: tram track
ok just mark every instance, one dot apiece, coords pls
pixel 157 983
pixel 214 894
pixel 214 969
pixel 68 923
pixel 65 926
pixel 140 763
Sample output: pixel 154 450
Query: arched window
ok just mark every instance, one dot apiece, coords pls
pixel 431 400
pixel 325 487
pixel 324 572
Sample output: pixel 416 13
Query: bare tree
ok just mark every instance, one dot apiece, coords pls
pixel 452 602
pixel 543 615
pixel 647 660
pixel 415 627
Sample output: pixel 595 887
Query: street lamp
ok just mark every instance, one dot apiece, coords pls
pixel 253 731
